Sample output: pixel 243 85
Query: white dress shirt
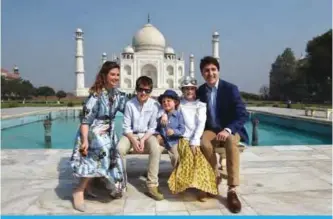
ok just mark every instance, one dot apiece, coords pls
pixel 139 119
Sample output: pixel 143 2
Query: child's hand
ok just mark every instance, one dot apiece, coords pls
pixel 170 132
pixel 160 140
pixel 194 149
pixel 164 119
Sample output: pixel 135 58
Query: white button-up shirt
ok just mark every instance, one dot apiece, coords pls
pixel 140 118
pixel 194 113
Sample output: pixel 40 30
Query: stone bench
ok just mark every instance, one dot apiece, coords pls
pixel 217 150
pixel 221 157
pixel 311 111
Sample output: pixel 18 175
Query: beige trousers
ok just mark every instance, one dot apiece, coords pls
pixel 174 156
pixel 173 152
pixel 208 145
pixel 152 148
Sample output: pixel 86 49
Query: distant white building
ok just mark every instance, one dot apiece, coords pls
pixel 148 55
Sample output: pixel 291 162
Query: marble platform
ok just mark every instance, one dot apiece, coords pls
pixel 291 113
pixel 275 180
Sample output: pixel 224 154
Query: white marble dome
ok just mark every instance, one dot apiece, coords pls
pixel 128 49
pixel 148 38
pixel 169 50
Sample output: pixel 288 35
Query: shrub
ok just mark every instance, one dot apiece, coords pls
pixel 13 105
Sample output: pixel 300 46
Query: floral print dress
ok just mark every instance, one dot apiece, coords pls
pixel 103 159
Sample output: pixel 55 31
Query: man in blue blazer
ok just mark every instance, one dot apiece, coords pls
pixel 226 115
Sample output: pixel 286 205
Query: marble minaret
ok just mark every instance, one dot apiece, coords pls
pixel 79 88
pixel 192 72
pixel 215 45
pixel 104 57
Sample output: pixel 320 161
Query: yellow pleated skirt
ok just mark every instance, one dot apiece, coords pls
pixel 193 171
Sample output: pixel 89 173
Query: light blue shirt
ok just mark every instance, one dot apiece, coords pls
pixel 212 95
pixel 140 119
pixel 212 103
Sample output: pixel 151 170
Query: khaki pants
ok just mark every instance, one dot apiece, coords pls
pixel 152 148
pixel 208 145
pixel 173 152
pixel 174 156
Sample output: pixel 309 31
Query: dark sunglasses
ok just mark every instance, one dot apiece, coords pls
pixel 147 91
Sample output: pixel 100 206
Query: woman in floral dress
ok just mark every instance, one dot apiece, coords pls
pixel 95 153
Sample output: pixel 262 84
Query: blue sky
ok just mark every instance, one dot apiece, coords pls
pixel 38 35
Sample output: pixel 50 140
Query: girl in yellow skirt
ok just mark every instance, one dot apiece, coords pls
pixel 192 170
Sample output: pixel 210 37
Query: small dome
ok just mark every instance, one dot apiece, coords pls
pixel 191 56
pixel 216 33
pixel 104 54
pixel 169 50
pixel 128 49
pixel 148 38
pixel 79 30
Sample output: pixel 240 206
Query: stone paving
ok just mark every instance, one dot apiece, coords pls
pixel 275 180
pixel 320 116
pixel 24 111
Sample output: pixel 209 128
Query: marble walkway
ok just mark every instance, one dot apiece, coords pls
pixel 276 180
pixel 296 113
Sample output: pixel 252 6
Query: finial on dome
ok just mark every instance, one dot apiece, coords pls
pixel 148 18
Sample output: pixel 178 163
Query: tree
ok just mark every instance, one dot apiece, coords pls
pixel 45 91
pixel 264 92
pixel 25 89
pixel 319 72
pixel 4 88
pixel 10 88
pixel 249 96
pixel 60 94
pixel 281 74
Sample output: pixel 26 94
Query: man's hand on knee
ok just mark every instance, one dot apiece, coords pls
pixel 223 135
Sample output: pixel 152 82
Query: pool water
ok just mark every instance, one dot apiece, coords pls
pixel 64 129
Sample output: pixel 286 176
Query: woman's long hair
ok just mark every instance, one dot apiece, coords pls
pixel 100 81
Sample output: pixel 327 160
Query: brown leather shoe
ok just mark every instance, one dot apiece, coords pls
pixel 218 180
pixel 234 204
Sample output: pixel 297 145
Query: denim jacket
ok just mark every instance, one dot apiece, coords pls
pixel 176 123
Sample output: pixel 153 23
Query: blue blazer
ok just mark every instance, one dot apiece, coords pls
pixel 230 109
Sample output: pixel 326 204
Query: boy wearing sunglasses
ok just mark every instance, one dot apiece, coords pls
pixel 140 122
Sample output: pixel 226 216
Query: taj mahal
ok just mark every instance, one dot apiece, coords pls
pixel 148 55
